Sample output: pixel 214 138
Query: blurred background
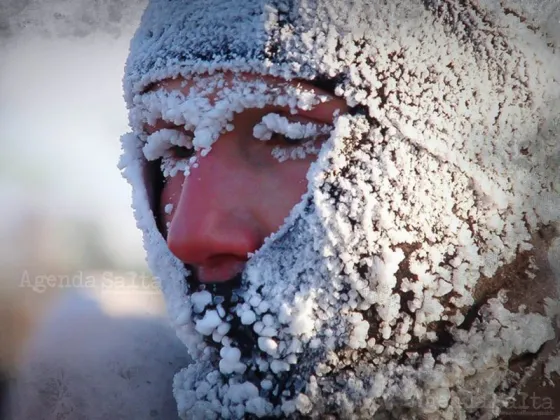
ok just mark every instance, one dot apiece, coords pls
pixel 65 218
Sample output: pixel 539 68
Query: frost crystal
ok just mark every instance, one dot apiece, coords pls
pixel 418 202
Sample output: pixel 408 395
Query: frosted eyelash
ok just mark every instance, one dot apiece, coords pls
pixel 158 146
pixel 159 143
pixel 276 123
pixel 171 165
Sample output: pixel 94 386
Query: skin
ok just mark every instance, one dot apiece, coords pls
pixel 239 194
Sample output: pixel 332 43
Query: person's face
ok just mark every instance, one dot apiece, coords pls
pixel 239 193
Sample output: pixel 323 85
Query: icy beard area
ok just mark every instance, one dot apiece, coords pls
pixel 326 321
pixel 355 308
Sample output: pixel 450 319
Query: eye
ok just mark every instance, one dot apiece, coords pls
pixel 180 152
pixel 279 138
pixel 168 143
pixel 280 130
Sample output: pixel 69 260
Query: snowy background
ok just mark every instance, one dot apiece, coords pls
pixel 65 208
pixel 61 115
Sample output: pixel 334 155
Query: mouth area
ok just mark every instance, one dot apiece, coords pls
pixel 224 287
pixel 226 297
pixel 230 301
pixel 219 270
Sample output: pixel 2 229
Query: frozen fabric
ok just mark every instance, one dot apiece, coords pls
pixel 360 306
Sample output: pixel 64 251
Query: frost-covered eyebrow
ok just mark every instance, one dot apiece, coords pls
pixel 323 112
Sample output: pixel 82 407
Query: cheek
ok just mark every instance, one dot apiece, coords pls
pixel 287 183
pixel 292 176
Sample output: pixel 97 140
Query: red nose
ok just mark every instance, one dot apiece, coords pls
pixel 213 227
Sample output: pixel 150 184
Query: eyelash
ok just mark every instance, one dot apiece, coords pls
pixel 291 142
pixel 180 152
pixel 278 140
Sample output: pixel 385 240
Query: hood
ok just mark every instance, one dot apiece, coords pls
pixel 381 295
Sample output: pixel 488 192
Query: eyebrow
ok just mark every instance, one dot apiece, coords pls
pixel 325 84
pixel 283 110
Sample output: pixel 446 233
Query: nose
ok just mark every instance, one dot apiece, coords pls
pixel 214 224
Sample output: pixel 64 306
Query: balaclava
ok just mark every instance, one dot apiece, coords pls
pixel 384 294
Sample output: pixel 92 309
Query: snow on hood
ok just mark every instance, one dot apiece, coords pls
pixel 438 177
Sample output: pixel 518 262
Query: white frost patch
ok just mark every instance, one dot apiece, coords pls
pixel 208 323
pixel 200 300
pixel 230 362
pixel 268 345
pixel 276 123
pixel 278 366
pixel 248 317
pixel 302 323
